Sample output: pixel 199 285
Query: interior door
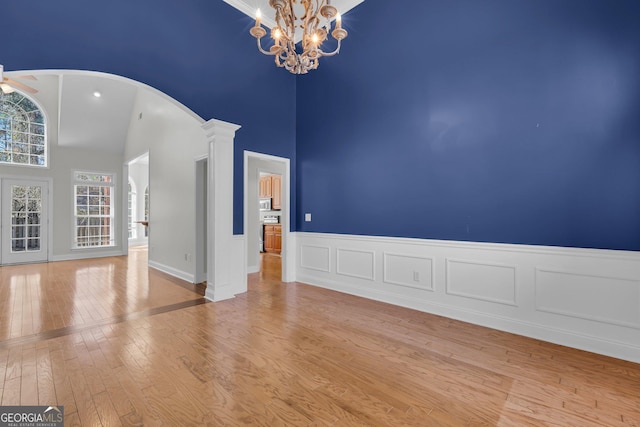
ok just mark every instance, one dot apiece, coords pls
pixel 24 221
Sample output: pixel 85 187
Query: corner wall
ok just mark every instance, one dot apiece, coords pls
pixel 174 139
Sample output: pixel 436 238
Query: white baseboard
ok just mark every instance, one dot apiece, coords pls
pixel 84 255
pixel 188 277
pixel 582 298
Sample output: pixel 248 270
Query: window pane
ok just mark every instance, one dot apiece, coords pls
pixel 93 210
pixel 33 244
pixel 17 245
pixel 17 232
pixel 20 158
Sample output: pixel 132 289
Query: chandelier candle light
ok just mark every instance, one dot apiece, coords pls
pixel 313 34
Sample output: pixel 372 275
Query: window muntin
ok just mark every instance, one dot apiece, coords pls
pixel 22 131
pixel 94 210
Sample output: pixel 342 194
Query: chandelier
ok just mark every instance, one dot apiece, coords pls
pixel 313 33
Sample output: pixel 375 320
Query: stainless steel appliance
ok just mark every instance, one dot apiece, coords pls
pixel 265 204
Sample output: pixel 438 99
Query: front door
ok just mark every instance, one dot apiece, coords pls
pixel 24 221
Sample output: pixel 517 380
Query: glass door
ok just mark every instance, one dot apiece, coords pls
pixel 24 221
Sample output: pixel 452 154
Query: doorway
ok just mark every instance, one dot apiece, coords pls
pixel 255 165
pixel 25 220
pixel 138 201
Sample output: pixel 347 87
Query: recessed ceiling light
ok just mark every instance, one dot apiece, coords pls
pixel 97 94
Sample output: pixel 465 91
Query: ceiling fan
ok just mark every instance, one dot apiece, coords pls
pixel 8 84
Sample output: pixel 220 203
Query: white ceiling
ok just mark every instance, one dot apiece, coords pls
pixel 80 119
pixel 95 123
pixel 249 7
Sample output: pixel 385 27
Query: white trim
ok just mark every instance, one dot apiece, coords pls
pixel 288 250
pixel 597 314
pixel 222 283
pixel 47 151
pixel 385 269
pixel 85 255
pixel 113 209
pixel 188 277
pixel 50 210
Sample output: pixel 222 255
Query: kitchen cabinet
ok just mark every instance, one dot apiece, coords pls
pixel 273 238
pixel 271 187
pixel 265 187
pixel 276 192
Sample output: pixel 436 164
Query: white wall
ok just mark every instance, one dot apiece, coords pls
pixel 62 163
pixel 173 138
pixel 582 298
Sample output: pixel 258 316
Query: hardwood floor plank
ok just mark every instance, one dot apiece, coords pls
pixel 119 344
pixel 44 376
pixel 106 411
pixel 11 393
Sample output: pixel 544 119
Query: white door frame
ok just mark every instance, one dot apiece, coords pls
pixel 49 212
pixel 288 244
pixel 201 218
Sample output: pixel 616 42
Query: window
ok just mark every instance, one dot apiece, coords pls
pixel 22 131
pixel 132 210
pixel 94 218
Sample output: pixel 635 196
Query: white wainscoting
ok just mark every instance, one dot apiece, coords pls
pixel 582 298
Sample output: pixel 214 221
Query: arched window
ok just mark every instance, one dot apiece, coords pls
pixel 22 131
pixel 132 210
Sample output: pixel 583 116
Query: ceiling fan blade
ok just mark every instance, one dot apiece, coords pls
pixel 19 85
pixel 6 89
pixel 25 77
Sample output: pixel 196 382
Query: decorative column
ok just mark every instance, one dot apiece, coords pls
pixel 220 136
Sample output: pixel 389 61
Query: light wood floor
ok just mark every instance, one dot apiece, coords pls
pixel 118 344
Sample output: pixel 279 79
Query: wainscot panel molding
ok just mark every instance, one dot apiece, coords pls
pixel 315 258
pixel 359 264
pixel 408 270
pixel 172 271
pixel 482 281
pixel 582 298
pixel 607 299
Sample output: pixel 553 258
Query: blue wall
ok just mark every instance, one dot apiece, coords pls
pixel 196 51
pixel 511 121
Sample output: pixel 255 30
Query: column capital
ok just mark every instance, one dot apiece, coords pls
pixel 214 127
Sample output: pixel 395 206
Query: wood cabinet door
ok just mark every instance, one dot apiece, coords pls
pixel 277 239
pixel 265 187
pixel 276 191
pixel 269 238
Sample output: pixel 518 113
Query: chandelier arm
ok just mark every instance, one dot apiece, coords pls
pixel 266 52
pixel 335 52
